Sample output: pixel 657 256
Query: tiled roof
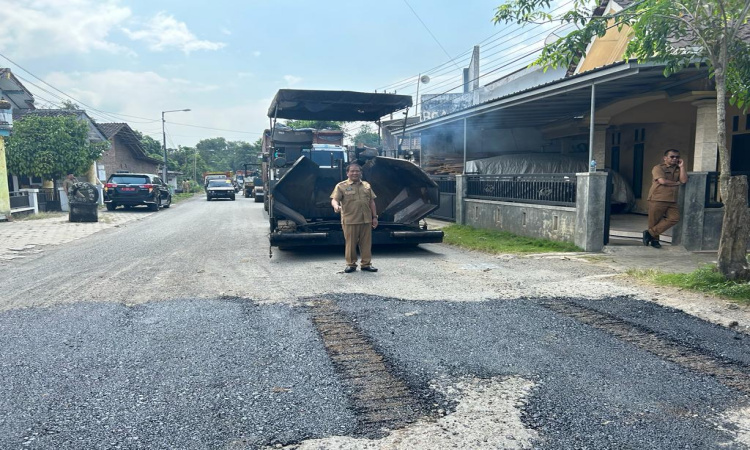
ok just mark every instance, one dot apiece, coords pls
pixel 110 129
pixel 128 137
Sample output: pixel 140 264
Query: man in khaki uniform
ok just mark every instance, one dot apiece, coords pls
pixel 663 212
pixel 68 182
pixel 355 200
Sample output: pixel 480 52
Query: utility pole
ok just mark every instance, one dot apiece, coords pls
pixel 164 141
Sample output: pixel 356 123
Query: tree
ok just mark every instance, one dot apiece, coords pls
pixel 69 105
pixel 316 124
pixel 51 147
pixel 151 146
pixel 365 136
pixel 677 33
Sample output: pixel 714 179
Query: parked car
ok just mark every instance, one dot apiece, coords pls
pixel 134 189
pixel 220 189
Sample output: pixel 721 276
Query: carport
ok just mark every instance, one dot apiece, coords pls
pixel 562 108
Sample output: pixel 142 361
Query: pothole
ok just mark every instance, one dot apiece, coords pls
pixel 487 416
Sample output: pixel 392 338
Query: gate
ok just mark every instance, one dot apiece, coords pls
pixel 447 189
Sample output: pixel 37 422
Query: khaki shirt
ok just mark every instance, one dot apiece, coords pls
pixel 659 192
pixel 67 184
pixel 355 201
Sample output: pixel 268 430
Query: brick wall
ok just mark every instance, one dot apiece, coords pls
pixel 119 157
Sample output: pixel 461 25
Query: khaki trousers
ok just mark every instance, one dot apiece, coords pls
pixel 661 217
pixel 358 235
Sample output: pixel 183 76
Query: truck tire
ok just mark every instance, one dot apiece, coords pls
pixel 258 198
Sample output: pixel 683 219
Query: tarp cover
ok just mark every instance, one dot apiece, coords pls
pixel 346 106
pixel 549 163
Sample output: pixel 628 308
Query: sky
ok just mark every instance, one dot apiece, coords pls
pixel 129 60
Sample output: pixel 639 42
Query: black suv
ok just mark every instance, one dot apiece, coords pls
pixel 132 189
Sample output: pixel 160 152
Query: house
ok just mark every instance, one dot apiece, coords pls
pixel 21 100
pixel 622 114
pixel 126 153
pixel 94 134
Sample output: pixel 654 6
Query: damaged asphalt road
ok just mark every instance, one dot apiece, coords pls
pixel 230 373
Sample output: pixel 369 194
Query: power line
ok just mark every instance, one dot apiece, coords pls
pixel 506 33
pixel 428 30
pixel 105 113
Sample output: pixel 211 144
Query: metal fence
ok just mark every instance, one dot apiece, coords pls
pixel 713 197
pixel 558 189
pixel 19 200
pixel 447 192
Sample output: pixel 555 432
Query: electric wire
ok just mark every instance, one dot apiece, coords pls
pixel 507 33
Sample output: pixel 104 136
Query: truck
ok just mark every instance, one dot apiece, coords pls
pixel 299 174
pixel 208 176
pixel 253 183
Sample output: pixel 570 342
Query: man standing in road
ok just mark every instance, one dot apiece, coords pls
pixel 355 200
pixel 68 183
pixel 663 212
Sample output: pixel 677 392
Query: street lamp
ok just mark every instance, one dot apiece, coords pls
pixel 164 139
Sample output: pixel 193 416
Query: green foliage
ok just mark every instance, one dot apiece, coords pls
pixel 69 105
pixel 490 241
pixel 366 137
pixel 218 154
pixel 50 147
pixel 317 124
pixel 706 279
pixel 706 31
pixel 151 146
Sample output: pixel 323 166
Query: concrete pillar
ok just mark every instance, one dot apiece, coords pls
pixel 600 145
pixel 689 231
pixel 64 205
pixel 4 191
pixel 460 196
pixel 591 204
pixel 706 145
pixel 33 199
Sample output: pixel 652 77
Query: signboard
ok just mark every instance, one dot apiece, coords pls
pixel 434 106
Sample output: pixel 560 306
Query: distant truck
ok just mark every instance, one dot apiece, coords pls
pixel 300 174
pixel 253 184
pixel 208 176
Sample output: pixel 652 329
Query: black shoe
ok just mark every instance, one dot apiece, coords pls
pixel 647 237
pixel 368 269
pixel 350 269
pixel 655 244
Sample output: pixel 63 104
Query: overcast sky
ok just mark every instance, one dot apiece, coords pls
pixel 128 60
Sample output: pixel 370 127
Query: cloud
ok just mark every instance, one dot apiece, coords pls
pixel 110 97
pixel 41 28
pixel 256 53
pixel 291 80
pixel 226 31
pixel 164 32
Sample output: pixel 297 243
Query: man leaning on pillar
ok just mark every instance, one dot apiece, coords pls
pixel 663 212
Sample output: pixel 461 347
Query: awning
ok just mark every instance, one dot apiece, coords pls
pixel 569 98
pixel 347 106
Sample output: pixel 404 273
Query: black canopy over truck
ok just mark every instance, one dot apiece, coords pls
pixel 299 185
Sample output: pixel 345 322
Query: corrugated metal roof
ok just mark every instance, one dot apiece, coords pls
pixel 567 98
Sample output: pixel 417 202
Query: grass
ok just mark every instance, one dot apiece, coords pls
pixel 495 242
pixel 176 198
pixel 706 279
pixel 40 216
